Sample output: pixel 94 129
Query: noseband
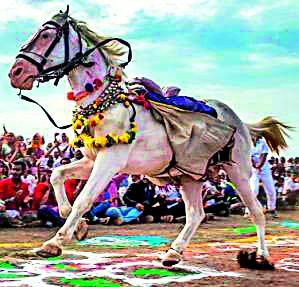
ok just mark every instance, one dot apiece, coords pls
pixel 81 58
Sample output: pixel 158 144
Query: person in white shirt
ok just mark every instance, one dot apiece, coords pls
pixel 290 189
pixel 261 171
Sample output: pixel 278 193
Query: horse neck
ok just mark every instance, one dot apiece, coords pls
pixel 79 77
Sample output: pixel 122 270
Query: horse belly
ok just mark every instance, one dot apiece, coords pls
pixel 149 155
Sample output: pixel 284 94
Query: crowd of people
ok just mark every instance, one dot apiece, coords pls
pixel 27 197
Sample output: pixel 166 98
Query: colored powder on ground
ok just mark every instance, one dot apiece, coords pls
pixel 55 258
pixel 10 276
pixel 126 241
pixel 17 244
pixel 99 282
pixel 142 272
pixel 245 230
pixel 7 265
pixel 290 224
pixel 65 267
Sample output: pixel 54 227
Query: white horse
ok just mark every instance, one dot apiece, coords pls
pixel 60 42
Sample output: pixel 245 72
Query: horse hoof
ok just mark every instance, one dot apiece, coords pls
pixel 251 261
pixel 170 262
pixel 81 231
pixel 49 250
pixel 171 258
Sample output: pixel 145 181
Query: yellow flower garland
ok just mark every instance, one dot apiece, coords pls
pixel 110 139
pixel 81 125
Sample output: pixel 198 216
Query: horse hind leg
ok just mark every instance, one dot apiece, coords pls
pixel 240 176
pixel 192 197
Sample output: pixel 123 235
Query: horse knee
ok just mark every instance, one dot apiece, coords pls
pixel 56 176
pixel 82 206
pixel 196 218
pixel 258 217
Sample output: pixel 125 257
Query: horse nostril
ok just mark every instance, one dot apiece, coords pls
pixel 17 72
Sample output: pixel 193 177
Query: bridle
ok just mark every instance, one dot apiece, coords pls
pixel 81 58
pixel 60 70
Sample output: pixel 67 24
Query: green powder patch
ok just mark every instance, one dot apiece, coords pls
pixel 245 230
pixel 55 258
pixel 11 276
pixel 66 267
pixel 7 265
pixel 89 282
pixel 156 272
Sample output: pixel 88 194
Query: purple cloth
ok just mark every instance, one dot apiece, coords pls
pixel 111 191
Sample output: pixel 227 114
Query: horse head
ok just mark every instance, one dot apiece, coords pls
pixel 46 51
pixel 64 46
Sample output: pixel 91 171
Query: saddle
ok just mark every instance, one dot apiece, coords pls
pixel 169 96
pixel 197 137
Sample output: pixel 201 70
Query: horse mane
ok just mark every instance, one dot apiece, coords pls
pixel 113 51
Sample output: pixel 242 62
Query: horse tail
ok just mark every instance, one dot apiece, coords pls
pixel 273 131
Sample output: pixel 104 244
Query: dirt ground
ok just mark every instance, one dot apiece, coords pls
pixel 129 256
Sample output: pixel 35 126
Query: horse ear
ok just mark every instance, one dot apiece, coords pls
pixel 66 13
pixel 67 10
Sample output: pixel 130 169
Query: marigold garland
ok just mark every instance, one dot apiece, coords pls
pixel 82 124
pixel 85 140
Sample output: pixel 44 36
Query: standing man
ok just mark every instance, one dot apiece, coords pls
pixel 261 171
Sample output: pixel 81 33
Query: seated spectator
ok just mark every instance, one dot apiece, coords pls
pixel 4 170
pixel 36 149
pixel 138 199
pixel 77 155
pixel 213 201
pixel 231 198
pixel 29 178
pixel 64 146
pixel 45 203
pixel 169 206
pixel 19 151
pixel 57 158
pixel 14 193
pixel 140 195
pixel 43 193
pixel 8 146
pixel 108 198
pixel 291 187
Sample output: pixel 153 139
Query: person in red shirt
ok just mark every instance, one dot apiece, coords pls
pixel 14 192
pixel 43 193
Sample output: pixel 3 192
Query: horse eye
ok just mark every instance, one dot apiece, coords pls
pixel 45 36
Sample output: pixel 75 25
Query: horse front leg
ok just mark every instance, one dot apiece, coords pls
pixel 80 169
pixel 107 164
pixel 192 197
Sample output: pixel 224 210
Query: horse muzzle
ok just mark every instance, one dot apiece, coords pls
pixel 22 74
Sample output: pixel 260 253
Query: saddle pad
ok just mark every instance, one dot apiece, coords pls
pixel 194 137
pixel 182 103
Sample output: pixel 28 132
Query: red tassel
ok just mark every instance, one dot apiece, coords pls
pixel 70 96
pixel 140 100
pixel 98 83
